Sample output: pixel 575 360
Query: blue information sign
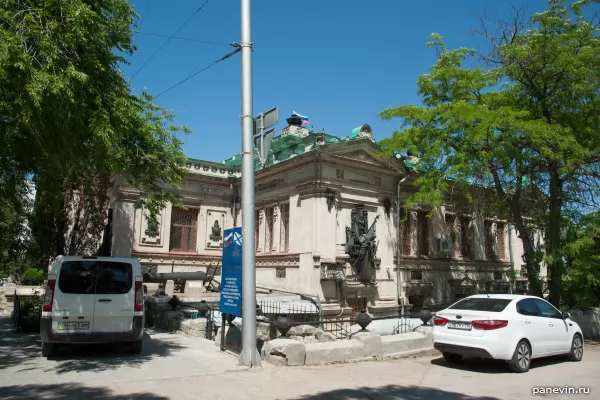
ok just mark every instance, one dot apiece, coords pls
pixel 231 273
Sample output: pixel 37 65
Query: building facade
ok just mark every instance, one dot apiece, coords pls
pixel 327 217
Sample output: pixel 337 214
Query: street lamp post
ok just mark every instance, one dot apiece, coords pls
pixel 249 356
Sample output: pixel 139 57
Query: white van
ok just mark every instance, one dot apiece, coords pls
pixel 93 300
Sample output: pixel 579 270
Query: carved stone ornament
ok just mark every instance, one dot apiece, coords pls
pixel 216 236
pixel 387 206
pixel 152 228
pixel 360 244
pixel 330 196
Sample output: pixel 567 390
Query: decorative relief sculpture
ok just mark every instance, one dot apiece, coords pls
pixel 216 232
pixel 152 228
pixel 360 244
pixel 330 196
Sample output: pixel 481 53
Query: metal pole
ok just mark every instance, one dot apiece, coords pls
pixel 399 247
pixel 249 356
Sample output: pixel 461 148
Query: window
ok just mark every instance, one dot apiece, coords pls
pixel 114 278
pixel 451 234
pixel 500 241
pixel 77 277
pixel 498 276
pixel 95 277
pixel 269 216
pixel 183 230
pixel 481 304
pixel 547 310
pixel 423 229
pixel 528 307
pixel 405 222
pixel 416 275
pixel 465 237
pixel 284 241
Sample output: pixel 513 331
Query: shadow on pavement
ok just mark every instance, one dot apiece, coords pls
pixel 24 351
pixel 69 391
pixel 494 366
pixel 392 392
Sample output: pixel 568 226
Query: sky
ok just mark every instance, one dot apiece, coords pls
pixel 339 62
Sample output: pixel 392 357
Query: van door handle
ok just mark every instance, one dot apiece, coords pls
pixel 550 324
pixel 527 321
pixel 105 300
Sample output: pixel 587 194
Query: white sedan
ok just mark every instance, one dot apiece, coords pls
pixel 513 328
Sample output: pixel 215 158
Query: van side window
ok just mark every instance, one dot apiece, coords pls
pixel 528 307
pixel 77 277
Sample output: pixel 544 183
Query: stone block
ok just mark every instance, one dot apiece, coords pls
pixel 194 327
pixel 303 330
pixel 405 342
pixel 588 321
pixel 333 352
pixel 372 347
pixel 169 320
pixel 284 352
pixel 324 337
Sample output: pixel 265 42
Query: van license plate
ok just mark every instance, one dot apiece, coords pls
pixel 463 326
pixel 73 326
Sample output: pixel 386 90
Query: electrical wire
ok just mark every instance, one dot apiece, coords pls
pixel 169 38
pixel 183 38
pixel 238 48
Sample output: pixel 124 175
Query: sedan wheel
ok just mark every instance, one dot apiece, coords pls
pixel 521 360
pixel 576 353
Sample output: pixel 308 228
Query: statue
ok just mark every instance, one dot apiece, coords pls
pixel 360 244
pixel 216 232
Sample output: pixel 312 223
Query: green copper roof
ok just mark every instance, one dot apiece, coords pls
pixel 284 148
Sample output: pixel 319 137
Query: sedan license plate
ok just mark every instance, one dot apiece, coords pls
pixel 73 326
pixel 463 326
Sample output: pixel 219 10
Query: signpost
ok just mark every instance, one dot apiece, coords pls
pixel 264 131
pixel 231 273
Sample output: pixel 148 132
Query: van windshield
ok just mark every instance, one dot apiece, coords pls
pixel 95 277
pixel 481 304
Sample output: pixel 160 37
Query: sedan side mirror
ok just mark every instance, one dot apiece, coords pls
pixel 566 315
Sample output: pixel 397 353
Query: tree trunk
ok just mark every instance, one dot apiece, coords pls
pixel 532 261
pixel 553 236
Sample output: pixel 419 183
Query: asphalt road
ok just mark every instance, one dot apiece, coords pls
pixel 173 366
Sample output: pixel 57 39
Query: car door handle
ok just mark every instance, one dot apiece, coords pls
pixel 105 300
pixel 527 321
pixel 550 324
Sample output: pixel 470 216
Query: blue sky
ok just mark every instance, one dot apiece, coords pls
pixel 338 62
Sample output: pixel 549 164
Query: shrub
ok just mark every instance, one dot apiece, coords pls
pixel 33 277
pixel 30 313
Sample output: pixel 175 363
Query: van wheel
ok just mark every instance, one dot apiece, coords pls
pixel 136 347
pixel 452 358
pixel 48 349
pixel 521 360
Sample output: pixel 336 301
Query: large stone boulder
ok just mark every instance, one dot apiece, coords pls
pixel 284 352
pixel 310 334
pixel 194 327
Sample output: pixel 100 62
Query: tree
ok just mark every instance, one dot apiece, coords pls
pixel 67 117
pixel 581 287
pixel 524 123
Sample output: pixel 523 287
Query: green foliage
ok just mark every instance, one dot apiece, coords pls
pixel 69 119
pixel 30 314
pixel 581 287
pixel 524 124
pixel 33 277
